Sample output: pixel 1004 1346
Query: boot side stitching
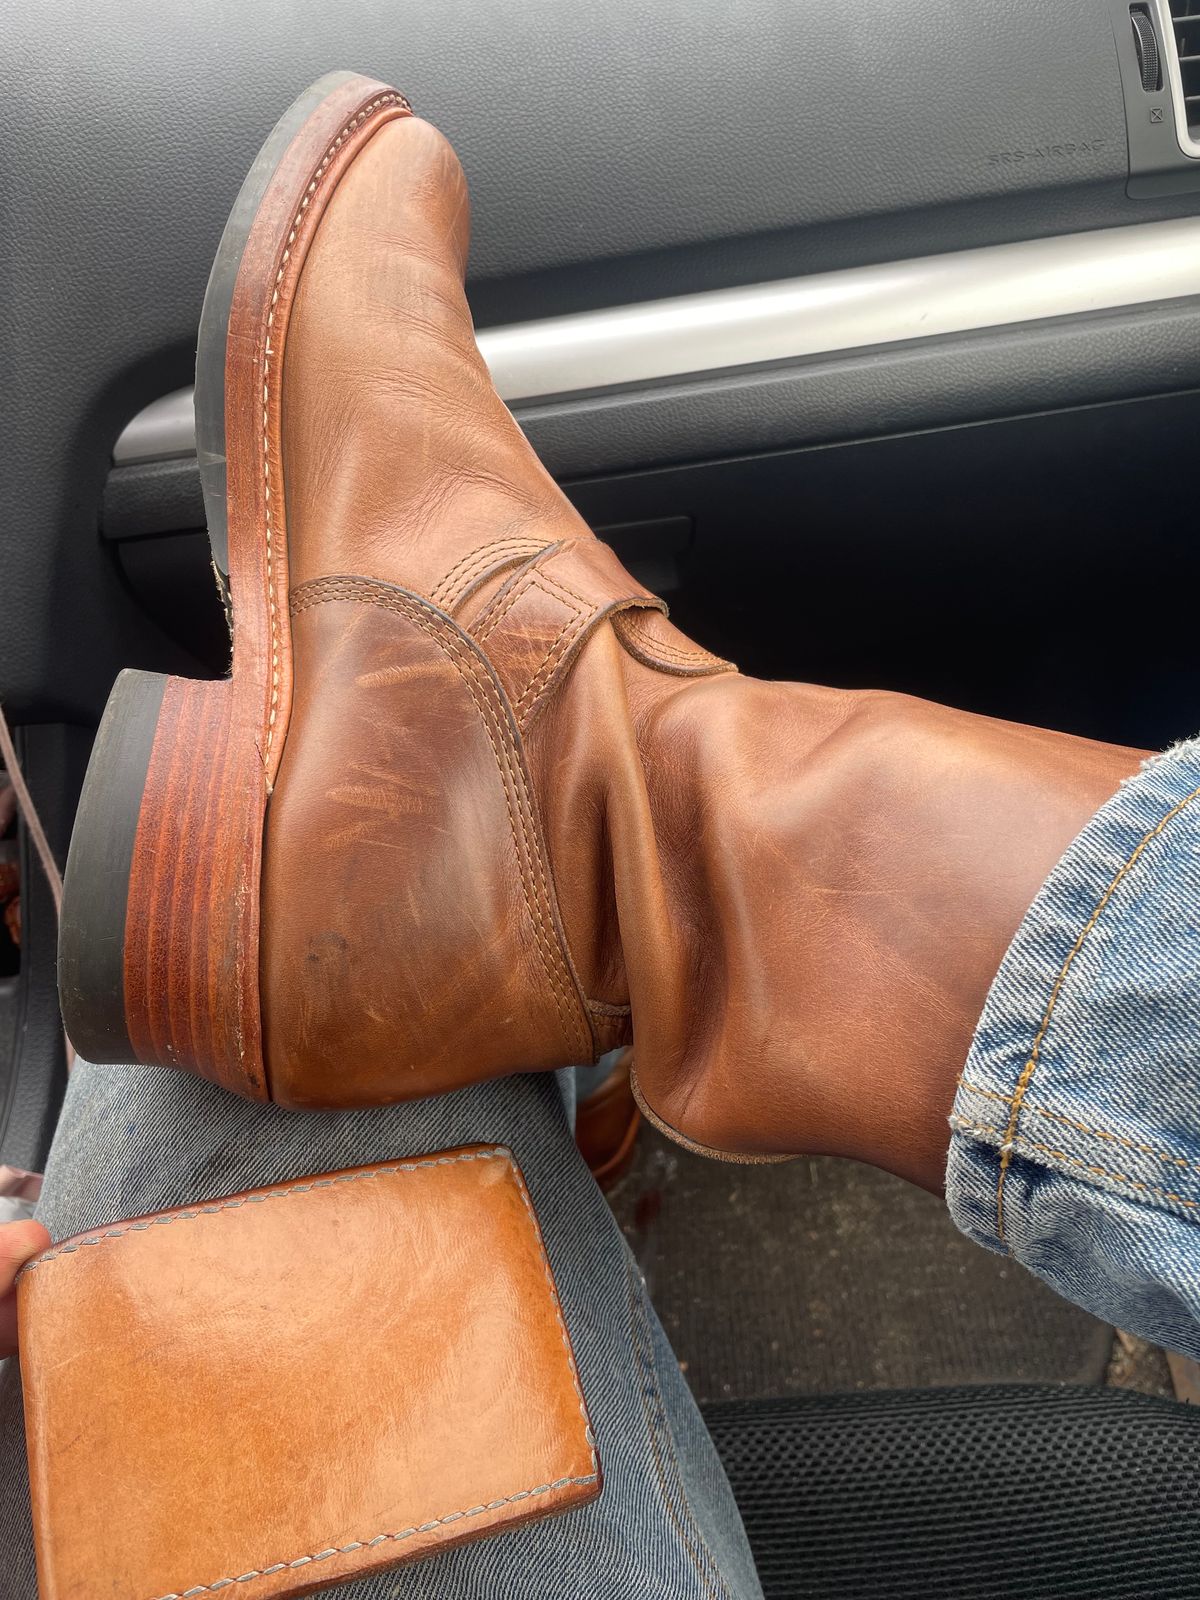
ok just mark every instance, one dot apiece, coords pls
pixel 481 553
pixel 565 591
pixel 303 602
pixel 482 557
pixel 560 994
pixel 558 648
pixel 479 577
pixel 518 589
pixel 549 667
pixel 575 1023
pixel 671 651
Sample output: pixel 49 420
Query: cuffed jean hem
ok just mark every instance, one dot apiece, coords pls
pixel 1076 1126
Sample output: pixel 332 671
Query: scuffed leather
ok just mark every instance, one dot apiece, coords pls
pixel 298 1386
pixel 443 594
pixel 522 819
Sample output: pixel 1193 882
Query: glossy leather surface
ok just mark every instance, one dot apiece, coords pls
pixel 443 593
pixel 522 819
pixel 304 1383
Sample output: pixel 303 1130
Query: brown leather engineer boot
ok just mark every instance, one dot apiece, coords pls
pixel 469 804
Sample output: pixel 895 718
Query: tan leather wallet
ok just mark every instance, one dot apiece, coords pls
pixel 298 1385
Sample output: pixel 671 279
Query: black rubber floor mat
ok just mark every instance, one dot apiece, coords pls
pixel 968 1494
pixel 822 1276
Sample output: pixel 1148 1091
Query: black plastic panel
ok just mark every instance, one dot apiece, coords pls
pixel 1042 568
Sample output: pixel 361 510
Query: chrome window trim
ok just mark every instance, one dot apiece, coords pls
pixel 826 313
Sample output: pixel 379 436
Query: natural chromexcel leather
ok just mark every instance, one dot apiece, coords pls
pixel 299 1385
pixel 521 819
pixel 417 929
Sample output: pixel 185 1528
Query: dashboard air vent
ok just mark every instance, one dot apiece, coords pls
pixel 1185 15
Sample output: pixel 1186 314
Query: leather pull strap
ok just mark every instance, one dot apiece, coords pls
pixel 535 626
pixel 655 642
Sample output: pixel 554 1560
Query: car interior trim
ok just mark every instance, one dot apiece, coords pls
pixel 1169 51
pixel 726 329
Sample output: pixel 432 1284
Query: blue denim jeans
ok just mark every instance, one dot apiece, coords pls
pixel 134 1139
pixel 1076 1128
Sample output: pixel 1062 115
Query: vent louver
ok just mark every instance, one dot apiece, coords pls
pixel 1185 16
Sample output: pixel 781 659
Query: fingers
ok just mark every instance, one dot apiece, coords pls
pixel 19 1242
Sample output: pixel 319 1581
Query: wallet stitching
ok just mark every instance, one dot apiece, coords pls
pixel 233 1204
pixel 211 1208
pixel 589 1438
pixel 371 1544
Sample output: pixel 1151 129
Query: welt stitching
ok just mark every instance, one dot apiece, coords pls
pixel 478 561
pixel 390 99
pixel 965 1126
pixel 1030 1067
pixel 214 1207
pixel 529 855
pixel 1167 1157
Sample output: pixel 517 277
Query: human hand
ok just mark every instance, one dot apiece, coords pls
pixel 19 1242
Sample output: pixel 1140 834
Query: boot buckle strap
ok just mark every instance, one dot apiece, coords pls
pixel 534 627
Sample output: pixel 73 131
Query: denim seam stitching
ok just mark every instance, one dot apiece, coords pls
pixel 1030 1067
pixel 1167 1157
pixel 680 1513
pixel 964 1125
